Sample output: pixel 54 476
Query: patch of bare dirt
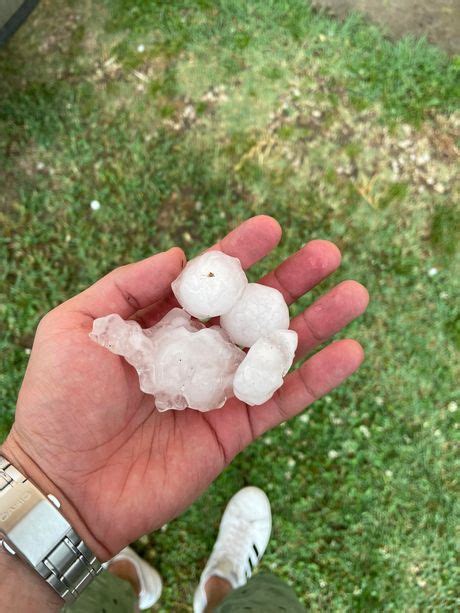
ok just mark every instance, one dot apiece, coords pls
pixel 438 20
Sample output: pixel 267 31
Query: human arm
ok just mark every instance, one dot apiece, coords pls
pixel 86 433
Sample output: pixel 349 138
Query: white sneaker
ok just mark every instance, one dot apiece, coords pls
pixel 149 580
pixel 243 537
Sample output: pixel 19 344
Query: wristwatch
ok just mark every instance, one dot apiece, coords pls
pixel 34 529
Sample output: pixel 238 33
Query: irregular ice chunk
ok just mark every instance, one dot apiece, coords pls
pixel 180 361
pixel 175 318
pixel 210 284
pixel 194 369
pixel 261 372
pixel 259 311
pixel 124 338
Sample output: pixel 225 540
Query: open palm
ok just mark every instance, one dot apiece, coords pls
pixel 85 432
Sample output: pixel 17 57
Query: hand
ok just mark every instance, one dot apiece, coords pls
pixel 85 432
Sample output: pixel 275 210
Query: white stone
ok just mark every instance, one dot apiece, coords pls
pixel 261 372
pixel 259 311
pixel 210 284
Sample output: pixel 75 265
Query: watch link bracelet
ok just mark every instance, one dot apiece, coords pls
pixel 33 528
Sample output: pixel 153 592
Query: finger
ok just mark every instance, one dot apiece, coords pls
pixel 300 272
pixel 131 288
pixel 155 312
pixel 252 240
pixel 320 374
pixel 328 315
pixel 249 242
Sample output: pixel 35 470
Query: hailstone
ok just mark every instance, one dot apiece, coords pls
pixel 124 338
pixel 180 361
pixel 194 369
pixel 259 311
pixel 261 372
pixel 184 363
pixel 210 284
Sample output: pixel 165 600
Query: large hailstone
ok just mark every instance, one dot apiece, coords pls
pixel 179 361
pixel 259 311
pixel 261 372
pixel 210 284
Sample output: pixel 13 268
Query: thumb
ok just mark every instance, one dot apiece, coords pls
pixel 129 288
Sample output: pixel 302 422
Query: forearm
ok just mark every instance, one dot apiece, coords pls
pixel 21 589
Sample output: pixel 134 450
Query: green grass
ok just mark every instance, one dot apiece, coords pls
pixel 312 117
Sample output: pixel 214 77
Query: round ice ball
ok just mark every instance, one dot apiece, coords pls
pixel 259 311
pixel 261 372
pixel 210 284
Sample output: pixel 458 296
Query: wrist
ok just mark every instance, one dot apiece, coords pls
pixel 21 589
pixel 13 451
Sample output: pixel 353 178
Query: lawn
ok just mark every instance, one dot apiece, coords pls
pixel 184 118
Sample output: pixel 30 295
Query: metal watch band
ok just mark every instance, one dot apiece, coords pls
pixel 34 529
